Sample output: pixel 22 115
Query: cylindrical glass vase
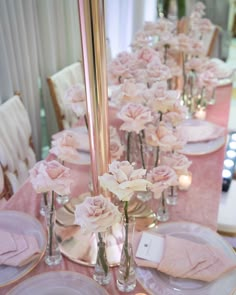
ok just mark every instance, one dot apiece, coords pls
pixel 101 273
pixel 53 254
pixel 163 212
pixel 172 197
pixel 126 277
pixel 44 204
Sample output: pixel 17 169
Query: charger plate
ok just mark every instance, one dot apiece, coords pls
pixel 58 283
pixel 158 283
pixel 20 223
pixel 203 137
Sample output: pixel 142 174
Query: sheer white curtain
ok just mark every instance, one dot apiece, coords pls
pixel 124 18
pixel 19 69
pixel 37 38
pixel 59 39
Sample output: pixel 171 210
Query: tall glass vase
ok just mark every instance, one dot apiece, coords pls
pixel 163 212
pixel 44 204
pixel 62 199
pixel 126 277
pixel 53 254
pixel 101 273
pixel 137 149
pixel 172 197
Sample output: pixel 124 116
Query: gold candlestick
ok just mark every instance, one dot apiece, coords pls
pixel 91 14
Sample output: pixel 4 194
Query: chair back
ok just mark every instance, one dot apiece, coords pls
pixel 58 84
pixel 16 152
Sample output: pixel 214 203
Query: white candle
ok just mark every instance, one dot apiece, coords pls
pixel 200 114
pixel 185 181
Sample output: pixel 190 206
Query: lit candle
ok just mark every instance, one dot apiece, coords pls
pixel 185 181
pixel 200 114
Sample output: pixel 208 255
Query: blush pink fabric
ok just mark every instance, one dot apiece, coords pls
pixel 199 204
pixel 189 260
pixel 21 249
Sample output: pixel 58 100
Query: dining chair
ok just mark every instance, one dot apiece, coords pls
pixel 17 155
pixel 58 84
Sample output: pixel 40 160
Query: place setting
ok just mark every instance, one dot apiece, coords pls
pixel 23 244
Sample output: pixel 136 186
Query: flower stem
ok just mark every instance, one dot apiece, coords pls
pixel 51 213
pixel 141 150
pixel 45 199
pixel 128 146
pixel 163 202
pixel 157 156
pixel 102 253
pixel 126 247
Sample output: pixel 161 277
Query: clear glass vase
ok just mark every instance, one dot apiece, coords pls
pixel 101 273
pixel 172 197
pixel 163 212
pixel 62 200
pixel 126 277
pixel 136 151
pixel 44 204
pixel 53 254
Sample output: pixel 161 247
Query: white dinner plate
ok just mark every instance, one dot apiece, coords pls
pixel 159 283
pixel 203 148
pixel 203 137
pixel 58 283
pixel 20 223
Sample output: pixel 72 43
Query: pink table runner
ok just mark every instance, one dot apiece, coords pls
pixel 199 204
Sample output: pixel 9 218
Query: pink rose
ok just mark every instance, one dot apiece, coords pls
pixel 96 214
pixel 175 69
pixel 195 64
pixel 157 71
pixel 129 91
pixel 135 117
pixel 50 176
pixel 161 178
pixel 164 25
pixel 177 113
pixel 113 133
pixel 160 99
pixel 118 72
pixel 146 55
pixel 116 149
pixel 140 40
pixel 197 47
pixel 164 137
pixel 123 180
pixel 207 80
pixel 76 98
pixel 178 162
pixel 66 147
pixel 184 42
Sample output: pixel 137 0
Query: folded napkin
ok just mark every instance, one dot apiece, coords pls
pixel 189 260
pixel 201 131
pixel 17 250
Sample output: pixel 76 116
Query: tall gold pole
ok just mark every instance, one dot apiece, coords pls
pixel 93 40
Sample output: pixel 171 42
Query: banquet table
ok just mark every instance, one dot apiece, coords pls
pixel 199 204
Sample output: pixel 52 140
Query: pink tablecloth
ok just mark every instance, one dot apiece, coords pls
pixel 199 204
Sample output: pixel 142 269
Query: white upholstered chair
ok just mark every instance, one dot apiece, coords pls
pixel 58 84
pixel 16 151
